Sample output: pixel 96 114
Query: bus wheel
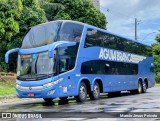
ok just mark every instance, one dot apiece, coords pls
pixel 144 87
pixel 48 100
pixel 138 90
pixel 94 95
pixel 82 93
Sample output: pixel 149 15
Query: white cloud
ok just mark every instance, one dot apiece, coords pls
pixel 122 13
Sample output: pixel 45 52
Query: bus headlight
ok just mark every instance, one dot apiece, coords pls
pixel 53 83
pixel 48 84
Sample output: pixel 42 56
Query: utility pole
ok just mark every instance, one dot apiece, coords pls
pixel 136 28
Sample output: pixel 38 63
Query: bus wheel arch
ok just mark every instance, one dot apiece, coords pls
pixel 139 87
pixel 87 83
pixel 97 88
pixel 99 81
pixel 83 86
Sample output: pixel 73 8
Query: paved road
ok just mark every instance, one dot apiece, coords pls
pixel 148 102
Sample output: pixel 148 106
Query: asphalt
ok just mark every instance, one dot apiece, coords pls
pixel 98 110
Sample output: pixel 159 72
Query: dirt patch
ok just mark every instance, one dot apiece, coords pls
pixel 8 77
pixel 14 99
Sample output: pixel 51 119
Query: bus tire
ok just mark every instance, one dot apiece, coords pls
pixel 138 90
pixel 144 87
pixel 48 100
pixel 82 93
pixel 94 95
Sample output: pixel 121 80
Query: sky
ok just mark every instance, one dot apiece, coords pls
pixel 121 16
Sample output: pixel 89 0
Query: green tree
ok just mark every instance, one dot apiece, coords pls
pixel 156 54
pixel 30 14
pixel 158 38
pixel 9 11
pixel 50 7
pixel 81 10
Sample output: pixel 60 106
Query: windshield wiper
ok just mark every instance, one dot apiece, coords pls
pixel 34 77
pixel 42 75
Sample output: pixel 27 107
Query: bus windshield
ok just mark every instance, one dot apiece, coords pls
pixel 51 32
pixel 70 31
pixel 41 35
pixel 35 66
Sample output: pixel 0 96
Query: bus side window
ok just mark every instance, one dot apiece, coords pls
pixel 72 61
pixel 107 66
pixel 63 65
pixel 86 69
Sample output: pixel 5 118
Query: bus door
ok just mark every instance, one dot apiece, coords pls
pixel 64 67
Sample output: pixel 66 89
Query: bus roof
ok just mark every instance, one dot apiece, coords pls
pixel 94 27
pixel 61 21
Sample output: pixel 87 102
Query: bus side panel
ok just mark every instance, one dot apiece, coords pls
pixel 119 83
pixel 146 71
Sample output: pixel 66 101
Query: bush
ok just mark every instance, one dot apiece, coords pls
pixel 157 77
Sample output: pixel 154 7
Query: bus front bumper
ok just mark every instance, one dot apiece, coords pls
pixel 32 92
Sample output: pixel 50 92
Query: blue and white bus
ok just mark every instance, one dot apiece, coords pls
pixel 66 58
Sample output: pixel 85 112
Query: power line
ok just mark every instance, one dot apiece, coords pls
pixel 117 13
pixel 129 18
pixel 113 14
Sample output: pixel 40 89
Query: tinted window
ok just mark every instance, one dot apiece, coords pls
pixel 41 35
pixel 108 67
pixel 51 32
pixel 63 65
pixel 102 39
pixel 94 38
pixel 67 57
pixel 70 32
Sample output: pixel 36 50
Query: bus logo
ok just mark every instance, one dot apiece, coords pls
pixel 114 55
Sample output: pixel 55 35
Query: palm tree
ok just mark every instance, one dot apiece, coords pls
pixel 50 7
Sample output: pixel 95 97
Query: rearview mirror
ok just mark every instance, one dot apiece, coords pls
pixel 59 44
pixel 9 52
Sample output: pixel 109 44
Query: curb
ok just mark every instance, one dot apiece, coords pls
pixel 7 97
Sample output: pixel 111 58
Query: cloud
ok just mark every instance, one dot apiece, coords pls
pixel 121 14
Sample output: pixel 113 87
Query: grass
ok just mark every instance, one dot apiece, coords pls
pixel 7 89
pixel 157 85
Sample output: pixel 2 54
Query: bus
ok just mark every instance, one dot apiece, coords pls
pixel 64 58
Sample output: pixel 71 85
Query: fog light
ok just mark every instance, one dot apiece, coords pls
pixel 50 92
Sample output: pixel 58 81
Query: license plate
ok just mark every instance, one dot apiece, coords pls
pixel 30 94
